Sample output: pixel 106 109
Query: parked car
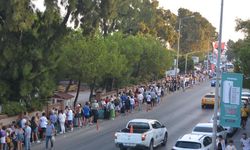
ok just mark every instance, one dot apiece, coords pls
pixel 230 130
pixel 141 133
pixel 244 100
pixel 193 141
pixel 207 129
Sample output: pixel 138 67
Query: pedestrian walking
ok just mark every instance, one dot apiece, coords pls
pixel 231 145
pixel 245 142
pixel 220 143
pixel 244 115
pixel 27 135
pixel 50 131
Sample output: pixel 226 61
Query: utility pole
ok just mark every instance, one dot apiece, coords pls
pixel 178 45
pixel 217 80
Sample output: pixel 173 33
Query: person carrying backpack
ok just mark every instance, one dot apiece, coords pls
pixel 86 113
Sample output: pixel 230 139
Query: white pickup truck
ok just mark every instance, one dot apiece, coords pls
pixel 141 133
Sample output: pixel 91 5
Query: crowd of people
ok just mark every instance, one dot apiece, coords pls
pixel 44 127
pixel 221 143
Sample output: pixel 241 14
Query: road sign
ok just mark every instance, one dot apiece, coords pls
pixel 230 102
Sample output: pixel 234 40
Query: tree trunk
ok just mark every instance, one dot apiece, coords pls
pixel 92 87
pixel 77 92
pixel 68 86
pixel 91 92
pixel 112 84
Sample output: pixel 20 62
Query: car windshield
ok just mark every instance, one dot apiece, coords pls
pixel 209 96
pixel 190 145
pixel 139 125
pixel 245 94
pixel 203 129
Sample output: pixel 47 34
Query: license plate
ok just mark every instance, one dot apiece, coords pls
pixel 129 144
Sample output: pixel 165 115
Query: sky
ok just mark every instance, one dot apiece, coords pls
pixel 210 9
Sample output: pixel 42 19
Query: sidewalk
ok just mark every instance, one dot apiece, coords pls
pixel 238 134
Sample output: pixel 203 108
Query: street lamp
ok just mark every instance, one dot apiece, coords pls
pixel 178 46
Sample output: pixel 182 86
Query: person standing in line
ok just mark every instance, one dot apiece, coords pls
pixel 62 119
pixel 140 100
pixel 132 103
pixel 34 129
pixel 158 91
pixel 127 104
pixel 86 112
pixel 43 124
pixel 245 142
pixel 111 107
pixel 50 131
pixel 148 98
pixel 20 138
pixel 37 118
pixel 70 119
pixel 231 145
pixel 3 138
pixel 27 135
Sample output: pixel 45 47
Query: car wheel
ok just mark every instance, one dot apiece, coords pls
pixel 123 148
pixel 164 142
pixel 151 145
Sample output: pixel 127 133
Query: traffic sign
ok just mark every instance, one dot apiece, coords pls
pixel 230 103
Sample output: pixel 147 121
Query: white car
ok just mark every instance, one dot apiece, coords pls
pixel 141 133
pixel 244 100
pixel 193 142
pixel 207 129
pixel 230 130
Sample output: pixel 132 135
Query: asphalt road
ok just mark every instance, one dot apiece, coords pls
pixel 179 112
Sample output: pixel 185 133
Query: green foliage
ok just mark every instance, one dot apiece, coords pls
pixel 230 52
pixel 190 64
pixel 240 51
pixel 196 32
pixel 119 42
pixel 13 108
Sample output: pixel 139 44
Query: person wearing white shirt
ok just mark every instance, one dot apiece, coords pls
pixel 245 142
pixel 23 122
pixel 43 124
pixel 140 100
pixel 70 119
pixel 132 103
pixel 62 118
pixel 230 145
pixel 220 142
